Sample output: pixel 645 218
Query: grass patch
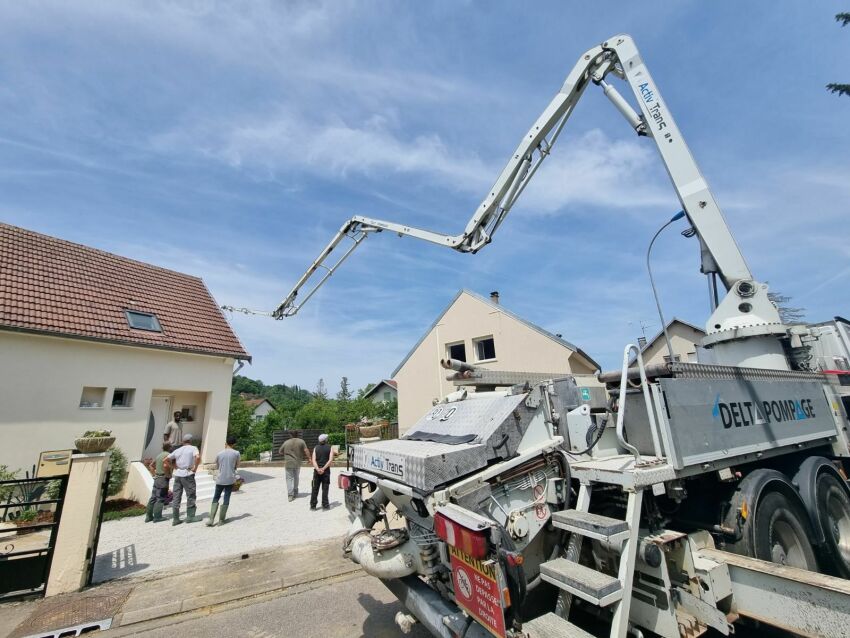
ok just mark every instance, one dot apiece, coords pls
pixel 118 508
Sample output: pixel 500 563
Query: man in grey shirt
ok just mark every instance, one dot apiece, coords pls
pixel 293 449
pixel 227 461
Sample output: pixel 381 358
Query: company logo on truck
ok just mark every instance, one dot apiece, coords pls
pixel 387 465
pixel 745 413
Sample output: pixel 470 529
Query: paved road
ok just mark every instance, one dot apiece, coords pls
pixel 357 606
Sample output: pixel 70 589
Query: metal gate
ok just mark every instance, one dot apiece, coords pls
pixel 91 553
pixel 30 510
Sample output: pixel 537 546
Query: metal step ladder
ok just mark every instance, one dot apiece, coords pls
pixel 574 579
pixel 587 583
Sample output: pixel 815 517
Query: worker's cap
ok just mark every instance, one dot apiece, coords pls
pixel 323 438
pixel 187 437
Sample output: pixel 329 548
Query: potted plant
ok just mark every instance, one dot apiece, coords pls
pixel 93 441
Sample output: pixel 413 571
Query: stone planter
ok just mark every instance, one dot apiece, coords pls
pixel 94 444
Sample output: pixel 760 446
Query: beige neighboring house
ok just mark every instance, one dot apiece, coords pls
pixel 260 407
pixel 386 390
pixel 92 340
pixel 684 337
pixel 483 333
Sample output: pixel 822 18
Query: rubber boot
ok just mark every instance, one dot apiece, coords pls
pixel 222 515
pixel 175 516
pixel 213 510
pixel 149 513
pixel 157 513
pixel 190 515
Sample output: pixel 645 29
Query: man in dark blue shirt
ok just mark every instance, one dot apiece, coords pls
pixel 323 456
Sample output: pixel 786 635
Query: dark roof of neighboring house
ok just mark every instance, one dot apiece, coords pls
pixel 501 309
pixel 56 287
pixel 389 382
pixel 255 403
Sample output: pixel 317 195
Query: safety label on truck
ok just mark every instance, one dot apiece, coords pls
pixel 478 590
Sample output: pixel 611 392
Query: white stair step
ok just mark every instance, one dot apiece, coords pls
pixel 601 528
pixel 584 582
pixel 553 626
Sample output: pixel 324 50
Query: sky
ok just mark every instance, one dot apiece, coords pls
pixel 230 140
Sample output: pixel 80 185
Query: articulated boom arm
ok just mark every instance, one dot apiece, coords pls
pixel 619 57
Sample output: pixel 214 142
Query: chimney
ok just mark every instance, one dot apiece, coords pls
pixel 494 297
pixel 641 342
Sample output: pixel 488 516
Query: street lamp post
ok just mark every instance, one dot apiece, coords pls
pixel 674 218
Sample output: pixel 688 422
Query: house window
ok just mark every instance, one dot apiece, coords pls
pixel 387 396
pixel 123 397
pixel 456 351
pixel 188 413
pixel 485 349
pixel 92 397
pixel 143 320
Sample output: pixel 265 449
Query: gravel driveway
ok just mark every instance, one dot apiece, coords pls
pixel 260 517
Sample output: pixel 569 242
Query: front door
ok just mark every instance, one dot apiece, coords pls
pixel 158 417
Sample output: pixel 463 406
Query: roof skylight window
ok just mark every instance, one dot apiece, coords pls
pixel 143 320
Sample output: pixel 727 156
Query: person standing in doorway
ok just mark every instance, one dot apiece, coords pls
pixel 173 434
pixel 186 459
pixel 293 449
pixel 161 469
pixel 227 461
pixel 323 456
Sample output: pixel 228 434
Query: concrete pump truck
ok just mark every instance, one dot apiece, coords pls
pixel 670 500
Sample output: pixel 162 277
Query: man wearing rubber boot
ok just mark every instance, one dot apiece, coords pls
pixel 323 456
pixel 160 467
pixel 227 461
pixel 186 459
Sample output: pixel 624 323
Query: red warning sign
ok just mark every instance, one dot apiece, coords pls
pixel 478 590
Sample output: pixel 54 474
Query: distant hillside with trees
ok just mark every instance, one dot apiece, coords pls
pixel 296 408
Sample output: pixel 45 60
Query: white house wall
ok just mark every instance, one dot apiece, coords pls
pixel 42 378
pixel 683 339
pixel 518 348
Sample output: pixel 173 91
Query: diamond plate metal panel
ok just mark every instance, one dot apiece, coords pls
pixel 498 424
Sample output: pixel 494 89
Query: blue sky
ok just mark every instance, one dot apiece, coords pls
pixel 230 140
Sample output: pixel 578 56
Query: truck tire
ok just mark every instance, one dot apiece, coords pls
pixel 773 522
pixel 834 517
pixel 827 500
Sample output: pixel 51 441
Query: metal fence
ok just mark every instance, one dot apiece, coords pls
pixel 30 510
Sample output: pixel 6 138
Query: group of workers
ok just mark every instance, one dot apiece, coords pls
pixel 180 459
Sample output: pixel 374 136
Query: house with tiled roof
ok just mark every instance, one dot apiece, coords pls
pixel 93 340
pixel 386 390
pixel 260 407
pixel 482 332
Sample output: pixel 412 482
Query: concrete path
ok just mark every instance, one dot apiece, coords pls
pixel 260 517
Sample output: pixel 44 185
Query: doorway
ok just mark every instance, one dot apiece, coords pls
pixel 159 416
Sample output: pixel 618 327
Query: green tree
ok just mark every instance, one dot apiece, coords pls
pixel 239 421
pixel 344 393
pixel 319 415
pixel 321 390
pixel 832 87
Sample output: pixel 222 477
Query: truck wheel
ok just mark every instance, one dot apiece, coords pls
pixel 773 522
pixel 827 500
pixel 781 531
pixel 834 517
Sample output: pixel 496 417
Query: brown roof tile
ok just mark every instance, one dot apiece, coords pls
pixel 55 286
